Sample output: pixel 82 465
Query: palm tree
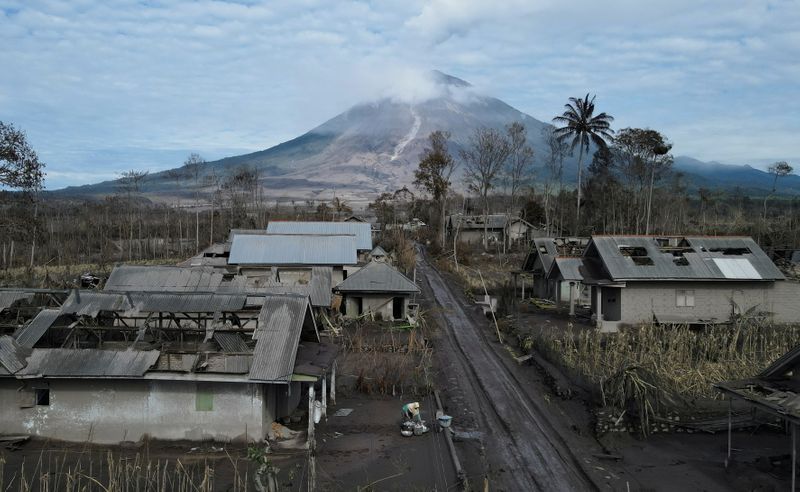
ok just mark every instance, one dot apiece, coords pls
pixel 581 126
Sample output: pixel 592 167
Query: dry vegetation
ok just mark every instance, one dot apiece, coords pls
pixel 58 470
pixel 650 370
pixel 386 359
pixel 65 276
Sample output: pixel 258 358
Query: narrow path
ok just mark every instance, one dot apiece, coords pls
pixel 517 434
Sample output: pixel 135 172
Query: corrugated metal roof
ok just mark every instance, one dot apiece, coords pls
pixel 89 303
pixel 321 286
pixel 568 268
pixel 9 297
pixel 231 341
pixel 541 256
pixel 12 354
pixel 377 277
pixel 29 334
pixel 89 363
pixel 314 359
pixel 187 302
pixel 294 249
pixel 696 261
pixel 361 230
pixel 173 279
pixel 249 232
pixel 280 324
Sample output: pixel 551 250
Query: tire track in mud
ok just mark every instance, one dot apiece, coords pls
pixel 516 431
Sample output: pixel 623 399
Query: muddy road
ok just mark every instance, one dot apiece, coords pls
pixel 523 450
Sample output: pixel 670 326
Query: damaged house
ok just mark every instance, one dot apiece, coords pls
pixel 684 280
pixel 558 283
pixel 106 367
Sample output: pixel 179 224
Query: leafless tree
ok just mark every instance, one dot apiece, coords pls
pixel 484 159
pixel 436 166
pixel 519 165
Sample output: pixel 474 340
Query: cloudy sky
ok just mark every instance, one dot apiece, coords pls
pixel 102 87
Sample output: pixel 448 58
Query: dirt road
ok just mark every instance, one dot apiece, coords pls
pixel 523 449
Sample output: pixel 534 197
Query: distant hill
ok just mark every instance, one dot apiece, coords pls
pixel 374 147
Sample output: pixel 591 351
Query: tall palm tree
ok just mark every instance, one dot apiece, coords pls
pixel 582 127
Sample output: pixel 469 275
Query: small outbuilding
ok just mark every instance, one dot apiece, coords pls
pixel 379 289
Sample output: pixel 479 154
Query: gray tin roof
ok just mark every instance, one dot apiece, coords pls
pixel 280 324
pixel 12 354
pixel 90 303
pixel 361 230
pixel 377 277
pixel 377 251
pixel 88 363
pixel 9 297
pixel 231 341
pixel 567 268
pixel 700 258
pixel 29 334
pixel 168 278
pixel 294 249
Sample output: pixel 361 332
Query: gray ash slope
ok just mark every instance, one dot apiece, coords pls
pixel 375 147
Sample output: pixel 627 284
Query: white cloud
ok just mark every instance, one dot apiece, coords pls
pixel 83 77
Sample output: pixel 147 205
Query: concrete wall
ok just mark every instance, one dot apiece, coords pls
pixel 712 300
pixel 377 303
pixel 475 236
pixel 110 411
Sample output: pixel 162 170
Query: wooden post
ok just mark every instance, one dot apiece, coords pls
pixel 572 298
pixel 730 429
pixel 333 383
pixel 325 396
pixel 311 444
pixel 491 310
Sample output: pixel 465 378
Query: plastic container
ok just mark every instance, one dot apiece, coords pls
pixel 445 420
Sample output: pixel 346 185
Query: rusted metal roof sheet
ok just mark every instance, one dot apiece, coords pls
pixel 132 278
pixel 29 334
pixel 698 259
pixel 280 324
pixel 377 277
pixel 12 354
pixel 9 297
pixel 231 341
pixel 89 363
pixel 293 249
pixel 361 230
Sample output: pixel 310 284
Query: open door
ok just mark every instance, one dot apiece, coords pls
pixel 397 308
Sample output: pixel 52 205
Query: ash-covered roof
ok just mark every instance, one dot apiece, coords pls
pixel 129 278
pixel 280 324
pixel 90 303
pixel 361 230
pixel 294 249
pixel 57 362
pixel 682 258
pixel 468 222
pixel 377 277
pixel 9 297
pixel 567 269
pixel 29 334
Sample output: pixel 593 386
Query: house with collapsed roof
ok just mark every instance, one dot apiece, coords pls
pixel 684 280
pixel 498 227
pixel 561 282
pixel 379 289
pixel 106 367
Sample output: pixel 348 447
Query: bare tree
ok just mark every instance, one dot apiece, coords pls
pixel 436 166
pixel 779 170
pixel 519 165
pixel 483 161
pixel 557 151
pixel 129 183
pixel 193 166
